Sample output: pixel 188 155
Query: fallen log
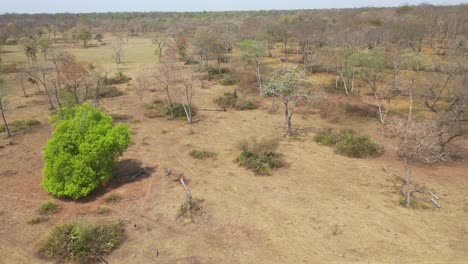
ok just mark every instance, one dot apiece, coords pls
pixel 402 179
pixel 212 109
pixel 136 175
pixel 435 203
pixel 433 195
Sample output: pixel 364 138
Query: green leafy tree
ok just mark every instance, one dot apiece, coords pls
pixel 85 35
pixel 82 151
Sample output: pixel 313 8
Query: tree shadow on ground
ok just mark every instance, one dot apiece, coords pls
pixel 123 173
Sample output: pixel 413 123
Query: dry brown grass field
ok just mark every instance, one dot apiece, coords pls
pixel 320 208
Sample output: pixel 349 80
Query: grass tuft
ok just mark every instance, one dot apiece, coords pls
pixel 112 198
pixel 202 154
pixel 48 208
pixel 349 144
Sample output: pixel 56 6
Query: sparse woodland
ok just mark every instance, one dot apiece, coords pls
pixel 248 125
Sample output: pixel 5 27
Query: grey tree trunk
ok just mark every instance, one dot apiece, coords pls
pixel 287 116
pixel 7 129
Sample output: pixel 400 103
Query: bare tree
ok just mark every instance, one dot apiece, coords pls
pixel 161 41
pixel 188 93
pixel 417 142
pixel 117 49
pixel 142 84
pixel 287 85
pixel 166 77
pixel 42 74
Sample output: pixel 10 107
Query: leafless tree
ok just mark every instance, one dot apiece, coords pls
pixel 42 74
pixel 161 41
pixel 117 48
pixel 142 84
pixel 188 94
pixel 166 77
pixel 417 142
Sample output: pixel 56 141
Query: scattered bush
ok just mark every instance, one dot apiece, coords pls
pixel 37 220
pixel 229 81
pixel 318 68
pixel 202 154
pixel 259 156
pixel 49 207
pixel 190 61
pixel 118 78
pixel 349 144
pixel 112 198
pixel 82 151
pixel 81 243
pixel 228 100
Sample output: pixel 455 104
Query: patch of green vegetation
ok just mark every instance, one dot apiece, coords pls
pixel 349 144
pixel 110 91
pixel 231 100
pixel 202 154
pixel 259 156
pixel 100 210
pixel 177 112
pixel 37 220
pixel 229 81
pixel 246 104
pixel 18 125
pixel 81 243
pixel 189 208
pixel 48 207
pixel 215 71
pixel 112 198
pixel 228 100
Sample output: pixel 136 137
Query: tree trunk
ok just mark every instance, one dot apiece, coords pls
pixel 22 87
pixel 259 80
pixel 408 172
pixel 287 116
pixel 7 129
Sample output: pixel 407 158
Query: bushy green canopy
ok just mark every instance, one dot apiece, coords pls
pixel 82 151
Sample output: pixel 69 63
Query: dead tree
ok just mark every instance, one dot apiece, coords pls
pixel 417 142
pixel 166 77
pixel 117 49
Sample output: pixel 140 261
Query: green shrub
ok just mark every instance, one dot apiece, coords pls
pixel 215 71
pixel 202 154
pixel 259 156
pixel 245 104
pixel 37 220
pixel 112 198
pixel 178 109
pixel 327 139
pixel 82 151
pixel 349 144
pixel 118 78
pixel 81 243
pixel 229 81
pixel 228 100
pixel 358 146
pixel 49 207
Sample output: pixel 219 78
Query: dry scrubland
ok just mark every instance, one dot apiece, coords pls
pixel 320 207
